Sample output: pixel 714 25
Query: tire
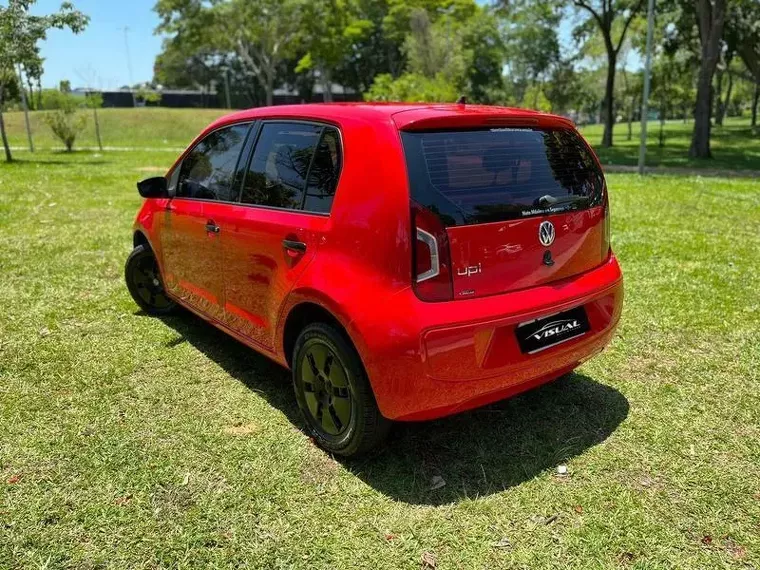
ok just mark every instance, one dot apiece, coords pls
pixel 334 394
pixel 145 283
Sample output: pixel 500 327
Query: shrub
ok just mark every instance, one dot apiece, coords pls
pixel 412 88
pixel 66 122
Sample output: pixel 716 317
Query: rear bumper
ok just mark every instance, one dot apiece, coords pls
pixel 428 360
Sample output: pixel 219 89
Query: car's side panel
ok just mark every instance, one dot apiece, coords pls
pixel 364 253
pixel 259 271
pixel 192 254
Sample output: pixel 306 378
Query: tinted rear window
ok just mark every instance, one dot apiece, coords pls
pixel 479 176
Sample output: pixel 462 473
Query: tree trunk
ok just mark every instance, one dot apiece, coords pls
pixel 719 99
pixel 6 146
pixel 755 100
pixel 630 117
pixel 269 89
pixel 700 140
pixel 726 101
pixel 609 100
pixel 711 17
pixel 326 77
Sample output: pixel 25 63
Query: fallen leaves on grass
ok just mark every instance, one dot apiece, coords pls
pixel 736 551
pixel 540 519
pixel 122 501
pixel 429 561
pixel 503 543
pixel 707 540
pixel 578 509
pixel 436 483
pixel 626 557
pixel 13 479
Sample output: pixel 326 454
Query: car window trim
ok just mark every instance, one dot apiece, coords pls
pixel 259 126
pixel 178 168
pixel 311 164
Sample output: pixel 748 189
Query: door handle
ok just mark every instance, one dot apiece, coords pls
pixel 212 227
pixel 298 246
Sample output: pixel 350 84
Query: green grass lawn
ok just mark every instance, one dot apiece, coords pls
pixel 147 127
pixel 133 442
pixel 734 145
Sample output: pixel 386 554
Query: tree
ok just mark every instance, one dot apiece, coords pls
pixel 19 33
pixel 260 33
pixel 331 31
pixel 711 18
pixel 563 87
pixel 482 38
pixel 611 17
pixel 532 46
pixel 372 54
pixel 66 122
pixel 744 22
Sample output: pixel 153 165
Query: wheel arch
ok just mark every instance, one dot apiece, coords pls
pixel 300 316
pixel 139 238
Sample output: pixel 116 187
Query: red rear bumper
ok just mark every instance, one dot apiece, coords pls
pixel 428 360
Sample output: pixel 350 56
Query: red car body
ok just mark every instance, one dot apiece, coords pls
pixel 424 359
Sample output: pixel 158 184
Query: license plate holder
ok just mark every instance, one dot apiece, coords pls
pixel 540 334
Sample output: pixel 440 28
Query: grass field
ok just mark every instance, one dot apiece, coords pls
pixel 133 442
pixel 734 145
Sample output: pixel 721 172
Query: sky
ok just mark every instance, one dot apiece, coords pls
pixel 98 55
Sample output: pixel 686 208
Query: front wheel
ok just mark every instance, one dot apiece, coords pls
pixel 144 282
pixel 334 394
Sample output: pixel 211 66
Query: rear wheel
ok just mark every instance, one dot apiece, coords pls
pixel 144 282
pixel 334 394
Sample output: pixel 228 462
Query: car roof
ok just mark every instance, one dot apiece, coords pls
pixel 404 115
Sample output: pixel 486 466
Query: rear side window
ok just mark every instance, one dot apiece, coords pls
pixel 279 167
pixel 207 171
pixel 490 175
pixel 323 176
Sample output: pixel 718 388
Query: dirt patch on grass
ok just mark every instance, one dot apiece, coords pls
pixel 240 430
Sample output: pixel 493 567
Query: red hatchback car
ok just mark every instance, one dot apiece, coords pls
pixel 406 262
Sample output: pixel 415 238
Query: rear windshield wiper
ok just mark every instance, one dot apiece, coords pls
pixel 548 201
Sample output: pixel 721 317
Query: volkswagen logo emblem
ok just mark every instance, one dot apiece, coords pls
pixel 546 233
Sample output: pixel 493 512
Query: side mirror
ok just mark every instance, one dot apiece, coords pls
pixel 155 187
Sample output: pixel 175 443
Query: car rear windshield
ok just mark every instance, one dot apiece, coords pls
pixel 490 175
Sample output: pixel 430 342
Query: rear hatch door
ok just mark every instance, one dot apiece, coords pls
pixel 522 206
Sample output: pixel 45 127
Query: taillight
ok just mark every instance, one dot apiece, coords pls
pixel 606 239
pixel 431 260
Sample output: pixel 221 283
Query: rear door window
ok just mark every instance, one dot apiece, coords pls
pixel 323 176
pixel 489 175
pixel 208 170
pixel 277 173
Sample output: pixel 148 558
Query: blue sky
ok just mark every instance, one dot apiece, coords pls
pixel 99 53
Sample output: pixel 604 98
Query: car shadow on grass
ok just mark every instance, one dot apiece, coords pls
pixel 475 453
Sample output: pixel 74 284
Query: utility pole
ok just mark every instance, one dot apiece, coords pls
pixel 645 98
pixel 129 66
pixel 26 109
